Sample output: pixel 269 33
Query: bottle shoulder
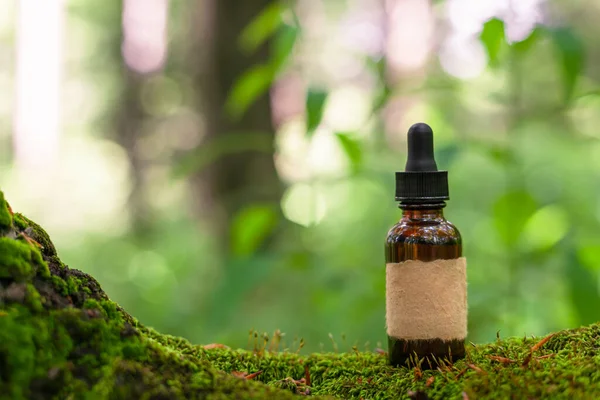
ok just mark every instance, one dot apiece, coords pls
pixel 434 231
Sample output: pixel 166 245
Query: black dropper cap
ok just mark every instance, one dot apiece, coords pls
pixel 421 182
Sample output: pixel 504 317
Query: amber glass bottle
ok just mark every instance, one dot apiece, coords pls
pixel 425 270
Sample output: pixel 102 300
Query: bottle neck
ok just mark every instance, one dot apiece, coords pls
pixel 423 211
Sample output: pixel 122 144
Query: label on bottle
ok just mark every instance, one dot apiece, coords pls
pixel 427 299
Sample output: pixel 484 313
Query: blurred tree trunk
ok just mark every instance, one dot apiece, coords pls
pixel 247 176
pixel 142 50
pixel 129 120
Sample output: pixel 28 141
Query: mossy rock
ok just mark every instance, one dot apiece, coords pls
pixel 62 338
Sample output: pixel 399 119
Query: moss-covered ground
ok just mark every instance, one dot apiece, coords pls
pixel 62 338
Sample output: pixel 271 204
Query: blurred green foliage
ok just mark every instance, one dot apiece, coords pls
pixel 523 152
pixel 269 24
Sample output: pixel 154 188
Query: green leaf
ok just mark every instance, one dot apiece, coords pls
pixel 545 228
pixel 381 99
pixel 353 150
pixel 526 44
pixel 571 53
pixel 255 81
pixel 378 66
pixel 492 37
pixel 283 45
pixel 589 255
pixel 261 28
pixel 315 104
pixel 251 226
pixel 249 87
pixel 511 212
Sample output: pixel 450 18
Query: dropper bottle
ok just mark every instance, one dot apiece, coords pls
pixel 426 293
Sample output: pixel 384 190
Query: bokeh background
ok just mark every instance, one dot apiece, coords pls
pixel 225 165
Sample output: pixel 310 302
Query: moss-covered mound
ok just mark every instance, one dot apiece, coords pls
pixel 61 337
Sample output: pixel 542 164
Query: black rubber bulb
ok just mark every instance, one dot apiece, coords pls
pixel 420 149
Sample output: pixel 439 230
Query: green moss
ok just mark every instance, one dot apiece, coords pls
pixel 567 366
pixel 60 285
pixel 20 221
pixel 5 217
pixel 61 337
pixel 37 233
pixel 72 285
pixel 15 260
pixel 33 299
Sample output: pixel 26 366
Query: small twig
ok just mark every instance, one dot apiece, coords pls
pixel 429 381
pixel 461 373
pixel 245 375
pixel 477 369
pixel 29 240
pixel 418 373
pixel 536 347
pixel 542 342
pixel 215 346
pixel 503 360
pixel 307 375
pixel 546 356
pixel 253 375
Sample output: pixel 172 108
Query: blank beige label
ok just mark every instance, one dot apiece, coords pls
pixel 427 300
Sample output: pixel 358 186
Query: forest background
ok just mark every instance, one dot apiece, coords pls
pixel 222 166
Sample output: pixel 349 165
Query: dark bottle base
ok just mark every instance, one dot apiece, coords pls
pixel 407 353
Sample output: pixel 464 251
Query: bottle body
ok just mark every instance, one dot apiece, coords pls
pixel 424 235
